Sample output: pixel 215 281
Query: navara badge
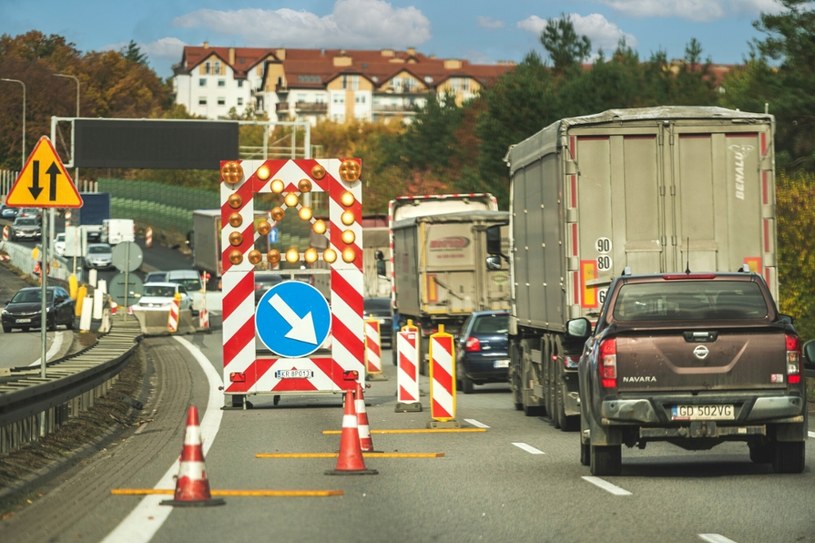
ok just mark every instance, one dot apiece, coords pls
pixel 701 352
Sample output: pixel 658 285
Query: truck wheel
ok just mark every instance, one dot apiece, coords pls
pixel 790 457
pixel 514 377
pixel 606 460
pixel 761 453
pixel 585 452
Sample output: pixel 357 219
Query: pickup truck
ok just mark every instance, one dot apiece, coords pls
pixel 693 359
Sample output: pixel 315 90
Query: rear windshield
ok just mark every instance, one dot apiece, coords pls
pixel 491 324
pixel 690 300
pixel 382 305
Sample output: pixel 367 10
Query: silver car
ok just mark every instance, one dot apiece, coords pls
pixel 25 228
pixel 99 256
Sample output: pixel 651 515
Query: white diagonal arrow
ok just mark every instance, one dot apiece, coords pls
pixel 302 329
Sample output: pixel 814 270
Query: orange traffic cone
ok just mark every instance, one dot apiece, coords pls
pixel 350 461
pixel 191 484
pixel 366 443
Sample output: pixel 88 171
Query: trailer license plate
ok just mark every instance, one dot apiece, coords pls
pixel 293 374
pixel 503 363
pixel 703 412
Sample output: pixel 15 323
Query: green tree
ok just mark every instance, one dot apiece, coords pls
pixel 133 53
pixel 566 49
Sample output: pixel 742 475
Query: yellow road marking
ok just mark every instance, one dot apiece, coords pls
pixel 252 493
pixel 367 454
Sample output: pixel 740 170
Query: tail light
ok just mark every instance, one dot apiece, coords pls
pixel 570 362
pixel 607 364
pixel 472 345
pixel 793 344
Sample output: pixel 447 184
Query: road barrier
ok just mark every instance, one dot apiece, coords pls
pixel 407 374
pixel 442 380
pixel 373 350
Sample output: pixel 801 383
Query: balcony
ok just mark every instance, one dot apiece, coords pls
pixel 310 107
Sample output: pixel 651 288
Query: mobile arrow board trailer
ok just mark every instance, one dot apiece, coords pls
pixel 293 338
pixel 439 250
pixel 661 189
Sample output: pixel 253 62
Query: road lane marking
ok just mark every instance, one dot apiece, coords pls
pixel 366 454
pixel 715 538
pixel 812 434
pixel 147 518
pixel 476 423
pixel 237 493
pixel 605 485
pixel 56 346
pixel 528 448
pixel 415 431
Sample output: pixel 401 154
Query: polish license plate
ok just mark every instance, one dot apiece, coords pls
pixel 293 374
pixel 503 363
pixel 703 412
pixel 23 320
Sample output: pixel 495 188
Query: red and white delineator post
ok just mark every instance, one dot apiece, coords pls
pixel 407 372
pixel 245 371
pixel 373 351
pixel 173 315
pixel 442 380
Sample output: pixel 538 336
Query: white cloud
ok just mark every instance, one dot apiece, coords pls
pixel 165 49
pixel 352 24
pixel 490 23
pixel 694 10
pixel 602 33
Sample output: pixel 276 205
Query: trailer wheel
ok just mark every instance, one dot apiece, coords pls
pixel 605 460
pixel 790 457
pixel 514 377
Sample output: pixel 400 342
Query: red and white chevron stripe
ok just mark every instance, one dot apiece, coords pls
pixel 442 378
pixel 244 371
pixel 373 347
pixel 407 374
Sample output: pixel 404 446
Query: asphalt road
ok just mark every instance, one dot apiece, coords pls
pixel 520 480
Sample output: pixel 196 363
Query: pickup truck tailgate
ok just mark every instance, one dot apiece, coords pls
pixel 700 360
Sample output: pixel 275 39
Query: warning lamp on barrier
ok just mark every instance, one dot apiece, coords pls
pixel 291 199
pixel 235 239
pixel 330 255
pixel 273 256
pixel 350 170
pixel 319 227
pixel 304 185
pixel 317 172
pixel 347 199
pixel 292 255
pixel 305 213
pixel 235 257
pixel 278 213
pixel 347 218
pixel 235 220
pixel 278 186
pixel 263 173
pixel 231 172
pixel 235 201
pixel 349 255
pixel 311 255
pixel 264 227
pixel 348 237
pixel 255 256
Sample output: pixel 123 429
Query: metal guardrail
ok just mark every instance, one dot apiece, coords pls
pixel 32 406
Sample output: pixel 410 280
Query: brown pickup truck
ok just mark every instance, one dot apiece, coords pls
pixel 694 359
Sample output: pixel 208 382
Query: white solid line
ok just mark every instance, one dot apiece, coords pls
pixel 715 538
pixel 528 448
pixel 56 345
pixel 146 519
pixel 608 487
pixel 476 423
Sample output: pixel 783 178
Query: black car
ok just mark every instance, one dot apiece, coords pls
pixel 24 310
pixel 380 309
pixel 482 354
pixel 7 212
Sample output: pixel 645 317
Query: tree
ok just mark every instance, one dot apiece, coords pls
pixel 566 49
pixel 133 53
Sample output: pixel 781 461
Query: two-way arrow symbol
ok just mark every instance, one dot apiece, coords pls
pixel 35 189
pixel 302 329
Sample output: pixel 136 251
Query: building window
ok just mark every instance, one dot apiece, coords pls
pixel 202 101
pixel 207 68
pixel 202 82
pixel 222 83
pixel 221 101
pixel 360 99
pixel 350 81
pixel 217 69
pixel 240 101
pixel 240 83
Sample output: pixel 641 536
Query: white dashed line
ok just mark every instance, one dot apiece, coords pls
pixel 715 538
pixel 812 434
pixel 476 423
pixel 528 448
pixel 608 487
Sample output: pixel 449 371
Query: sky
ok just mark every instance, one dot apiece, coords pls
pixel 481 31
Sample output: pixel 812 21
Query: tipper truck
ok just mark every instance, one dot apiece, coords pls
pixel 439 248
pixel 206 241
pixel 656 190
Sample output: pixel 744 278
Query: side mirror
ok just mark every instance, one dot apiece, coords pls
pixel 578 329
pixel 494 240
pixel 493 262
pixel 809 355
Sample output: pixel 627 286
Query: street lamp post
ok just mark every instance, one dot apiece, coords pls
pixel 22 163
pixel 76 80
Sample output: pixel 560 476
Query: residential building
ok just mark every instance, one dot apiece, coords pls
pixel 316 84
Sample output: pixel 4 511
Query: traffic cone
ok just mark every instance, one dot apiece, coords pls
pixel 366 443
pixel 350 461
pixel 191 484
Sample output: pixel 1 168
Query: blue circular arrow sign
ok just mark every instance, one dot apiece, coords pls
pixel 293 319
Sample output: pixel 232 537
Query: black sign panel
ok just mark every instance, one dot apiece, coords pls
pixel 154 144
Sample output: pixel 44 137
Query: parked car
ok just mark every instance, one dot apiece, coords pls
pixel 159 297
pixel 24 310
pixel 192 283
pixel 380 309
pixel 25 228
pixel 59 244
pixel 482 350
pixel 155 277
pixel 99 256
pixel 9 213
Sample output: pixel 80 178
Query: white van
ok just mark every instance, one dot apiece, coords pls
pixel 115 231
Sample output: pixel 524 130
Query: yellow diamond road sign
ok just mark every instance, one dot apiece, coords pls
pixel 43 181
